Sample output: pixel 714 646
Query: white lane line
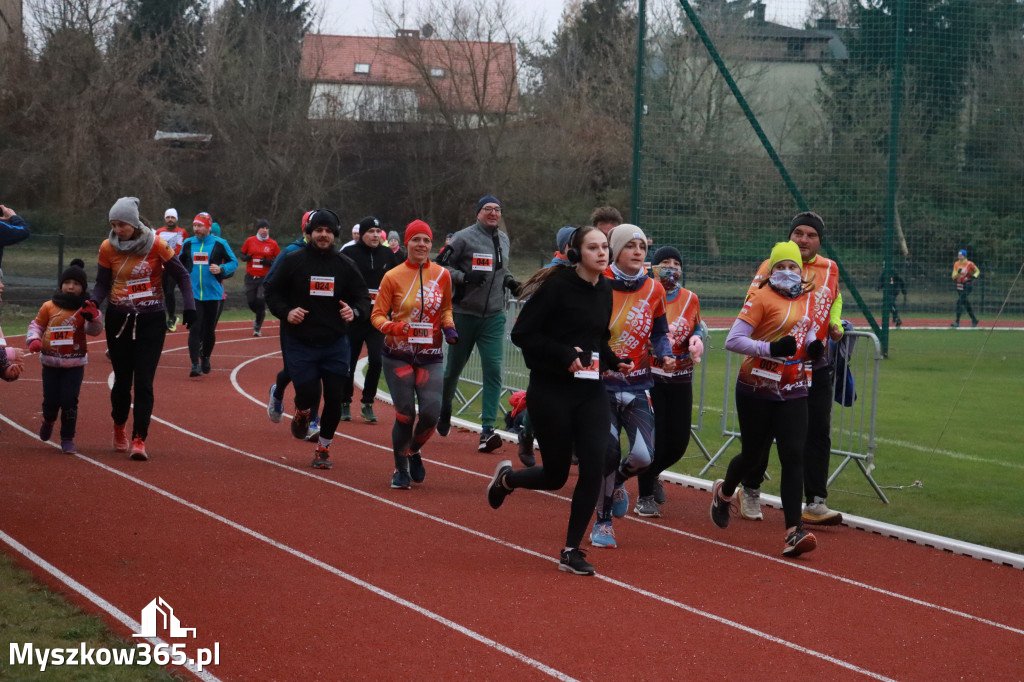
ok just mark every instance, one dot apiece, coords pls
pixel 472 634
pixel 718 543
pixel 99 601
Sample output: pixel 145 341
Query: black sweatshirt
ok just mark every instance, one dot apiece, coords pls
pixel 308 269
pixel 566 312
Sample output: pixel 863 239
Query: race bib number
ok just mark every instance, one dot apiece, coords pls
pixel 201 258
pixel 591 371
pixel 139 288
pixel 257 264
pixel 421 332
pixel 321 286
pixel 373 296
pixel 483 262
pixel 767 369
pixel 62 336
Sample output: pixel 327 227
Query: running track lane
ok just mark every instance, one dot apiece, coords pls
pixel 280 589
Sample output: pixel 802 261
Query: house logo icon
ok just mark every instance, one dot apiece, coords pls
pixel 170 622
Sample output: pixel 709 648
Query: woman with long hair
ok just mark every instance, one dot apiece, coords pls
pixel 563 332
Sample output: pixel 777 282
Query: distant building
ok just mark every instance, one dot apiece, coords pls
pixel 11 29
pixel 408 78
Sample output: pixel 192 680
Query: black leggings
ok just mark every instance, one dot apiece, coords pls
pixel 761 420
pixel 169 285
pixel 568 417
pixel 202 336
pixel 962 304
pixel 358 334
pixel 135 342
pixel 254 297
pixel 673 405
pixel 61 387
pixel 817 447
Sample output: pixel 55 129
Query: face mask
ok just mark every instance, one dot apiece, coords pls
pixel 669 276
pixel 786 282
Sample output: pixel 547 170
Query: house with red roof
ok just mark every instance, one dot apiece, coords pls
pixel 409 78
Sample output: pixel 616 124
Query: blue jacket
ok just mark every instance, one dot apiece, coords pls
pixel 12 231
pixel 209 251
pixel 295 245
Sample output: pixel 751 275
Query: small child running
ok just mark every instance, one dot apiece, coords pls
pixel 58 335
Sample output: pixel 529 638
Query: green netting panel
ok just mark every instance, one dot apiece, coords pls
pixel 820 81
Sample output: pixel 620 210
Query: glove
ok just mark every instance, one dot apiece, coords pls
pixel 188 317
pixel 816 350
pixel 89 311
pixel 35 345
pixel 513 286
pixel 696 348
pixel 451 336
pixel 783 348
pixel 475 278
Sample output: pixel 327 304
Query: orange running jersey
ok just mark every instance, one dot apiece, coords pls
pixel 683 314
pixel 399 299
pixel 824 274
pixel 633 315
pixel 774 316
pixel 137 281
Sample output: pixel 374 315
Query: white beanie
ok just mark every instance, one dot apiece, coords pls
pixel 172 212
pixel 126 209
pixel 622 235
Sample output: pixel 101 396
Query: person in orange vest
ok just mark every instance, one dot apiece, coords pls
pixel 964 274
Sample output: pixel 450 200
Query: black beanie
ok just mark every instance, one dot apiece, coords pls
pixel 261 223
pixel 76 272
pixel 810 219
pixel 366 224
pixel 323 217
pixel 666 252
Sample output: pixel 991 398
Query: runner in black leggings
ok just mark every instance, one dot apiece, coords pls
pixel 563 331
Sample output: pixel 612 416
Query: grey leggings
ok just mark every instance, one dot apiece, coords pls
pixel 411 385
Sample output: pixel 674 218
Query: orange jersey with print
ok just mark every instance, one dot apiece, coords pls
pixel 773 316
pixel 136 281
pixel 400 298
pixel 823 273
pixel 683 315
pixel 632 321
pixel 964 271
pixel 62 333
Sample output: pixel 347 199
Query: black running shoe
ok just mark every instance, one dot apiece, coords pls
pixel 205 364
pixel 416 469
pixel 526 455
pixel 444 423
pixel 300 424
pixel 799 542
pixel 720 507
pixel 489 441
pixel 575 561
pixel 496 490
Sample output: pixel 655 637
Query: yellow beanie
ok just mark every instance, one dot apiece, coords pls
pixel 785 251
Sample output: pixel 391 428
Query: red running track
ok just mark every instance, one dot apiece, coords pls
pixel 297 573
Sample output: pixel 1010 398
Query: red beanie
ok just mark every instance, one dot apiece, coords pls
pixel 203 218
pixel 417 227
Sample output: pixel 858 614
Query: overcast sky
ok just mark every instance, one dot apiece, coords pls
pixel 355 17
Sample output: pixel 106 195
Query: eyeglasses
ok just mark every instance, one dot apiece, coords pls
pixel 491 209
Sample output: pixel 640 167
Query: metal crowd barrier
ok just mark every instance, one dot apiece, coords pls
pixel 853 426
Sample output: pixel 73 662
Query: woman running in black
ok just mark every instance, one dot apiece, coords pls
pixel 563 332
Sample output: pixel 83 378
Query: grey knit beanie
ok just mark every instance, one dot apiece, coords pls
pixel 126 209
pixel 622 235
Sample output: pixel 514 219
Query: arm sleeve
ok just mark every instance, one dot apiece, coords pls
pixel 13 230
pixel 739 341
pixel 180 274
pixel 659 337
pixel 275 287
pixel 358 295
pixel 835 316
pixel 229 266
pixel 457 247
pixel 529 330
pixel 104 275
pixel 382 306
pixel 242 254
